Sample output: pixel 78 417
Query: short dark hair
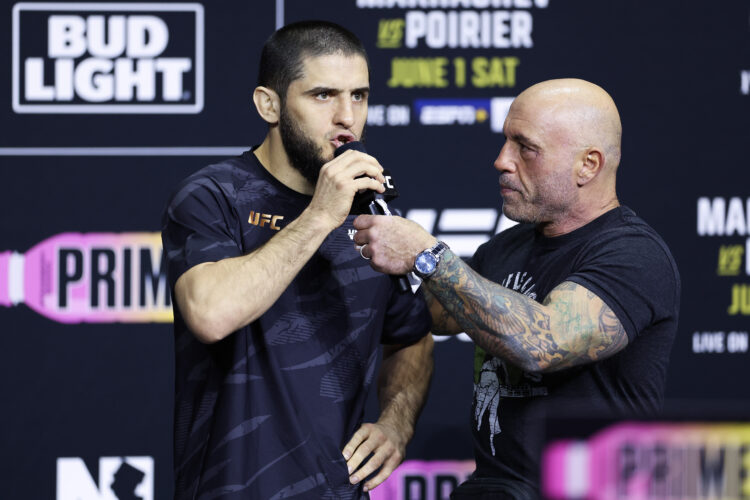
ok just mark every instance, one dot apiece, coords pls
pixel 284 51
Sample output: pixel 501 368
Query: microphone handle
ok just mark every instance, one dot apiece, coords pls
pixel 379 207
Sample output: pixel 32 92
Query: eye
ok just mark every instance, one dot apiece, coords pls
pixel 322 96
pixel 358 96
pixel 526 151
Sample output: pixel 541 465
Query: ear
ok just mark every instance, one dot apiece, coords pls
pixel 590 165
pixel 268 104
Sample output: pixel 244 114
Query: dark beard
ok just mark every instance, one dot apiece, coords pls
pixel 302 152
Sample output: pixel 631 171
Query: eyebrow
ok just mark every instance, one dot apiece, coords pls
pixel 331 90
pixel 518 137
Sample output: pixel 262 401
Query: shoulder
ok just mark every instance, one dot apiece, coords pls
pixel 627 246
pixel 224 179
pixel 631 234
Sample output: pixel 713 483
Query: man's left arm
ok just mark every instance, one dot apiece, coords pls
pixel 402 389
pixel 572 326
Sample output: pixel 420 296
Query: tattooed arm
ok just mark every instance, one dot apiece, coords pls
pixel 442 321
pixel 572 326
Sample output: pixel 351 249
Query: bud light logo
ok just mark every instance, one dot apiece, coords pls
pixel 108 58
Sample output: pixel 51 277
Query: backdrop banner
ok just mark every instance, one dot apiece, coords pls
pixel 97 130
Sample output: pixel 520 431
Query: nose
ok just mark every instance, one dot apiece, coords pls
pixel 504 161
pixel 344 114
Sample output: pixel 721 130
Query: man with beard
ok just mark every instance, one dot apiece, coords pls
pixel 278 319
pixel 575 308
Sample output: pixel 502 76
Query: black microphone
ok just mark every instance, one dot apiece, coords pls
pixel 363 202
pixel 373 202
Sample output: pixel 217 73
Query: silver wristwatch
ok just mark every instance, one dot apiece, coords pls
pixel 427 260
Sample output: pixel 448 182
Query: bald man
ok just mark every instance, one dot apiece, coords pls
pixel 574 308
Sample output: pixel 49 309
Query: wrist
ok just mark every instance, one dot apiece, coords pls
pixel 427 261
pixel 403 430
pixel 318 221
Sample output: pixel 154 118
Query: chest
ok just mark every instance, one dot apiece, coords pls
pixel 530 269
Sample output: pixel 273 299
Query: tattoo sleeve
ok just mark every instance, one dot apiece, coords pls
pixel 442 321
pixel 572 326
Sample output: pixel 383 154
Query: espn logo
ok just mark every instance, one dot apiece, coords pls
pixel 108 58
pixel 463 111
pixel 462 229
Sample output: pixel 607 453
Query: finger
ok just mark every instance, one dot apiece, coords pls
pixel 357 164
pixel 369 183
pixel 361 237
pixel 362 452
pixel 355 441
pixel 371 465
pixel 364 222
pixel 364 253
pixel 364 449
pixel 388 467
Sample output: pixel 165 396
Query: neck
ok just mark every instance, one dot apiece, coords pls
pixel 577 218
pixel 273 157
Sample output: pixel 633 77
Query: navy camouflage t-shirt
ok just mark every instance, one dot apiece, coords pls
pixel 265 412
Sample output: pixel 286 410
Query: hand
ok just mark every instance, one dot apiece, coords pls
pixel 387 446
pixel 392 242
pixel 340 179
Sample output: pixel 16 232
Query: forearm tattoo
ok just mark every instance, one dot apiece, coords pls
pixel 573 326
pixel 442 321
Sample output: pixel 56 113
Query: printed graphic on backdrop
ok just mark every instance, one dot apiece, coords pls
pixel 643 461
pixel 119 478
pixel 444 73
pixel 92 278
pixel 458 47
pixel 107 58
pixel 726 220
pixel 422 480
pixel 455 47
pixel 745 76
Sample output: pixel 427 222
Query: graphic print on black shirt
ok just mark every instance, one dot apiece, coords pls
pixel 495 379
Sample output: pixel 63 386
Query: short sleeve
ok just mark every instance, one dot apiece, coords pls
pixel 407 319
pixel 475 261
pixel 634 273
pixel 198 226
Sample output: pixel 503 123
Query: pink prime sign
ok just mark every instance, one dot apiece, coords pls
pixel 417 479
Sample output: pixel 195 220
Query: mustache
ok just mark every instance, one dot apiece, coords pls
pixel 506 183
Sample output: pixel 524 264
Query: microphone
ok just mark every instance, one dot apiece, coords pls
pixel 363 202
pixel 372 202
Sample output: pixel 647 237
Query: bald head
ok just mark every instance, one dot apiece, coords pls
pixel 559 162
pixel 581 112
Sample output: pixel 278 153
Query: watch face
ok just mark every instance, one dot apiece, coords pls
pixel 425 263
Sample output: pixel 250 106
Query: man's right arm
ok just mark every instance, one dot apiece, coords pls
pixel 218 298
pixel 442 321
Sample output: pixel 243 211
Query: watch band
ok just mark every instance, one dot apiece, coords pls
pixel 426 262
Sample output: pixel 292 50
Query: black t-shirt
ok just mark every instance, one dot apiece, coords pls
pixel 627 265
pixel 265 412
